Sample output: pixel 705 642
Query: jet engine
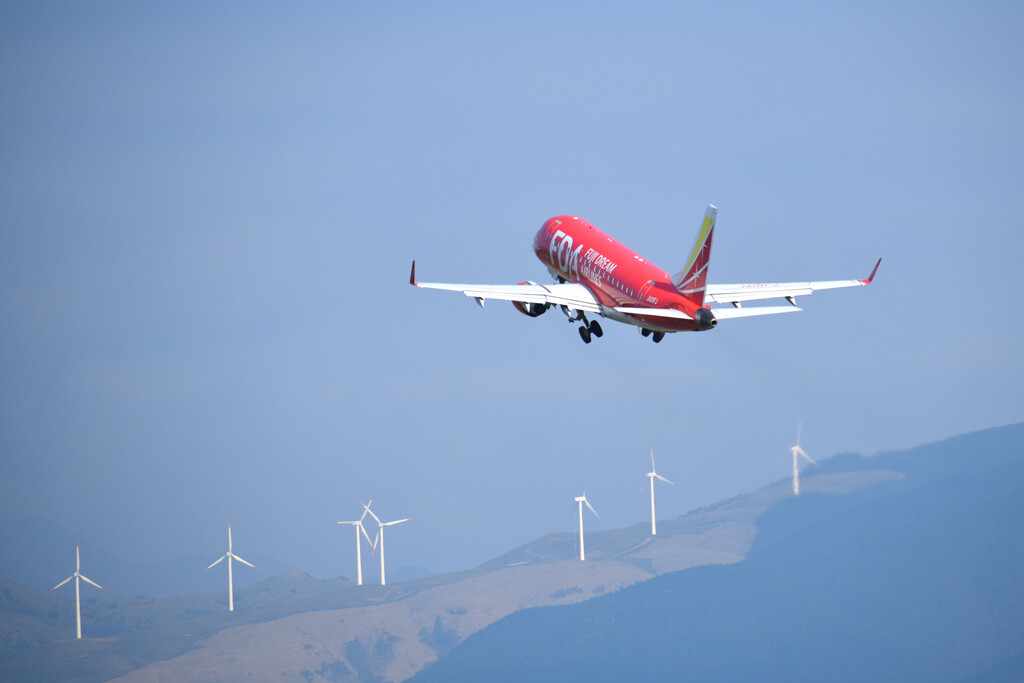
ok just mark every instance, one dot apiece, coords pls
pixel 532 310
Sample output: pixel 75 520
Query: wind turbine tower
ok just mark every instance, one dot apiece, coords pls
pixel 797 454
pixel 231 583
pixel 652 475
pixel 580 500
pixel 380 537
pixel 78 593
pixel 358 524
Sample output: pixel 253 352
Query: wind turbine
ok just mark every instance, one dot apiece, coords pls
pixel 358 524
pixel 581 500
pixel 654 475
pixel 231 584
pixel 380 536
pixel 797 452
pixel 78 595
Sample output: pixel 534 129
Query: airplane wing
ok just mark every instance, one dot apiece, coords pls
pixel 737 294
pixel 574 296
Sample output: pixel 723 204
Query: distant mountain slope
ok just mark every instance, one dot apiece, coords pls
pixel 404 627
pixel 29 619
pixel 913 579
pixel 37 629
pixel 805 557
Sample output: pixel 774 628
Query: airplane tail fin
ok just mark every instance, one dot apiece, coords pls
pixel 692 280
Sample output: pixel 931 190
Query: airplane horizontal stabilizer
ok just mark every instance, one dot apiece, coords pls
pixel 728 313
pixel 655 312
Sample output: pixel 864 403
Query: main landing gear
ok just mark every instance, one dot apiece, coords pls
pixel 657 337
pixel 589 329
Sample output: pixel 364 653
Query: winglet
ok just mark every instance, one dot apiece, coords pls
pixel 863 282
pixel 412 275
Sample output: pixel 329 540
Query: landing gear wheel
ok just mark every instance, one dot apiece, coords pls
pixel 658 336
pixel 645 332
pixel 595 329
pixel 584 334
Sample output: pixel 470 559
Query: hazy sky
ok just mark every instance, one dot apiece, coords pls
pixel 208 212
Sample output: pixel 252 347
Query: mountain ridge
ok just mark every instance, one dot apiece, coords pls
pixel 912 579
pixel 295 627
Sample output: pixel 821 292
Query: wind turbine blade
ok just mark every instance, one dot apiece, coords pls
pixel 238 559
pixel 591 508
pixel 62 583
pixel 215 563
pixel 367 508
pixel 372 543
pixel 397 521
pixel 809 458
pixel 376 537
pixel 88 580
pixel 653 468
pixel 354 523
pixel 663 478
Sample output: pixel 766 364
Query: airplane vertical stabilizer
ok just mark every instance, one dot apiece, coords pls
pixel 692 280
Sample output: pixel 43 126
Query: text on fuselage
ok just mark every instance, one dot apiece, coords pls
pixel 591 265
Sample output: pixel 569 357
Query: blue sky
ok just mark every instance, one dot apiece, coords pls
pixel 207 218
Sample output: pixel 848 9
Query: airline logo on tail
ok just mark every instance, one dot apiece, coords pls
pixel 693 279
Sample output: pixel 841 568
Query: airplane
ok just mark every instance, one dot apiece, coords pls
pixel 598 275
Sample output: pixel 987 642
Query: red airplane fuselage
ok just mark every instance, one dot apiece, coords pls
pixel 576 251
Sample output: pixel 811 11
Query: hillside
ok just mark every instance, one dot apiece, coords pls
pixel 422 620
pixel 917 578
pixel 294 627
pixel 915 537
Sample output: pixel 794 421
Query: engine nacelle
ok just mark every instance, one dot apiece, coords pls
pixel 532 310
pixel 705 319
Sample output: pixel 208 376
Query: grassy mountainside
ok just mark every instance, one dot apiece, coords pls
pixel 408 625
pixel 295 628
pixel 913 579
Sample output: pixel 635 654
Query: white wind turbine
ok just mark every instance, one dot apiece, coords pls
pixel 358 524
pixel 797 453
pixel 231 584
pixel 380 537
pixel 581 500
pixel 652 475
pixel 78 595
